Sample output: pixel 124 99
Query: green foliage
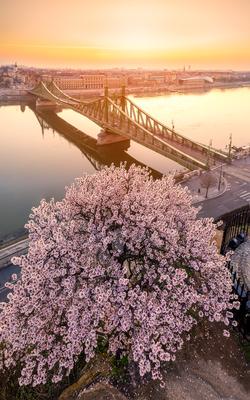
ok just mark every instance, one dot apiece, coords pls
pixel 119 366
pixel 102 345
pixel 189 271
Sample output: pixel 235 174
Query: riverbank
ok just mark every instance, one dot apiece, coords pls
pixel 158 90
pixel 22 94
pixel 13 237
pixel 214 85
pixel 10 95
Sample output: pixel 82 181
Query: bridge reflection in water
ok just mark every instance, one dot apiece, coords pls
pixel 98 156
pixel 121 119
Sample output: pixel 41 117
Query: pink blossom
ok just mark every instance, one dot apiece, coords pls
pixel 122 255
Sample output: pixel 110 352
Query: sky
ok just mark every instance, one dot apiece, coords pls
pixel 131 33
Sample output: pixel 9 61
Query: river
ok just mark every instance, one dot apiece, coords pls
pixel 37 161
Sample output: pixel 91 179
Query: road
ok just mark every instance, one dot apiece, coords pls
pixel 20 247
pixel 5 276
pixel 6 267
pixel 237 193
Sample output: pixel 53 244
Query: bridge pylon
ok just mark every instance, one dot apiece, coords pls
pixel 123 98
pixel 106 104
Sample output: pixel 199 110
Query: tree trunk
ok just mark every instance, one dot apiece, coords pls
pixel 99 366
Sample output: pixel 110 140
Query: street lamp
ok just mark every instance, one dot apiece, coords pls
pixel 219 185
pixel 230 147
pixel 209 152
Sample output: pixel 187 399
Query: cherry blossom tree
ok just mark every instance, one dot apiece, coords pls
pixel 123 257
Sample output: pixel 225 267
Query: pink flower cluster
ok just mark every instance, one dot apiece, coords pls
pixel 123 256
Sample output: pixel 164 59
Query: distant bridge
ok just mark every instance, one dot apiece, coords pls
pixel 120 116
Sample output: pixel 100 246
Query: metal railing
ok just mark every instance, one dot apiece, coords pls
pixel 235 223
pixel 236 230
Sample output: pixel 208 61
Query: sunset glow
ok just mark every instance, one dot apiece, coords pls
pixel 162 33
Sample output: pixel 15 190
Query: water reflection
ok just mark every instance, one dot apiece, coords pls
pixel 98 156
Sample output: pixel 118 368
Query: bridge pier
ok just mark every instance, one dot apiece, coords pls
pixel 47 104
pixel 106 137
pixel 113 151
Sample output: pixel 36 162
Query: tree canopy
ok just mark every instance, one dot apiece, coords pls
pixel 123 257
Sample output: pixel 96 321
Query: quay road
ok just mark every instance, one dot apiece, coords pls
pixel 15 249
pixel 236 195
pixel 6 268
pixel 5 276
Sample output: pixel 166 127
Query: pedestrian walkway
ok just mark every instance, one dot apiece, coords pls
pixel 245 194
pixel 207 185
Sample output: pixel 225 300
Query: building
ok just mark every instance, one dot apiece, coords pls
pixel 95 81
pixel 196 81
pixel 11 77
pixel 115 81
pixel 158 79
pixel 86 81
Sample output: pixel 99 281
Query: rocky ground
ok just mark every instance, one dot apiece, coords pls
pixel 210 367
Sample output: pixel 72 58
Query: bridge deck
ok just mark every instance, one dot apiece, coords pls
pixel 192 152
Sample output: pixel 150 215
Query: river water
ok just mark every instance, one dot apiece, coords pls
pixel 38 161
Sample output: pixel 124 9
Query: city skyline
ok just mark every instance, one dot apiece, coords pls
pixel 162 34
